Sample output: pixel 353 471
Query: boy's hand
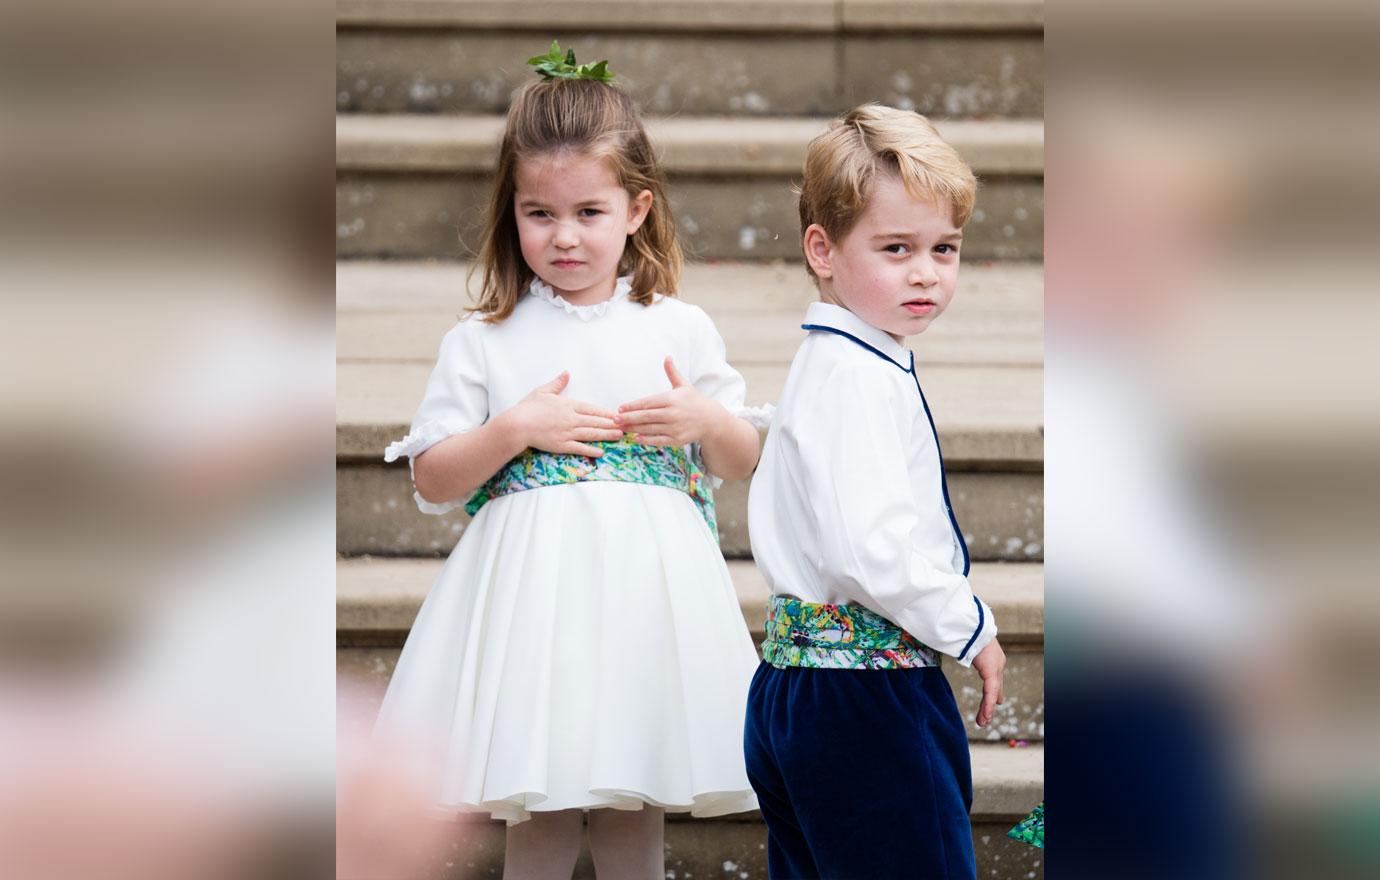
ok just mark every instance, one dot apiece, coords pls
pixel 990 664
pixel 677 417
pixel 544 420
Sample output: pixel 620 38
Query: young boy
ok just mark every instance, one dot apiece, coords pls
pixel 854 743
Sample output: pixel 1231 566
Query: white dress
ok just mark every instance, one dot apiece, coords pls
pixel 583 645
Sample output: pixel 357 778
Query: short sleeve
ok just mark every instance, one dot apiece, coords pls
pixel 712 374
pixel 709 370
pixel 456 401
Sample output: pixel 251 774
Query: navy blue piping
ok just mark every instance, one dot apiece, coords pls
pixel 943 478
pixel 962 653
pixel 878 352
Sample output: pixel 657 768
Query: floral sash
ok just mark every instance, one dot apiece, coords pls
pixel 623 461
pixel 838 637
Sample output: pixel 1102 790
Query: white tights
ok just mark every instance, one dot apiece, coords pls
pixel 625 845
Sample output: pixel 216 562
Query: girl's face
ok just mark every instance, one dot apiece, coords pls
pixel 573 220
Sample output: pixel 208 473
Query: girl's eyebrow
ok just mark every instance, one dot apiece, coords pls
pixel 530 202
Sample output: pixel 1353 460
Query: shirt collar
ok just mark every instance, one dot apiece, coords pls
pixel 840 320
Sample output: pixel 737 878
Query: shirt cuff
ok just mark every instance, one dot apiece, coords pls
pixel 983 633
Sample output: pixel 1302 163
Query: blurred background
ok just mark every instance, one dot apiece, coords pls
pixel 1183 390
pixel 167 390
pixel 1212 459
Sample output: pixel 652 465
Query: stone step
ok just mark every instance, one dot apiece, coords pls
pixel 995 480
pixel 980 364
pixel 984 415
pixel 377 600
pixel 1007 783
pixel 411 186
pixel 987 291
pixel 994 462
pixel 700 145
pixel 701 16
pixel 1002 512
pixel 720 57
pixel 392 311
pixel 988 417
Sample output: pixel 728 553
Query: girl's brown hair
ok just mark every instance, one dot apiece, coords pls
pixel 595 119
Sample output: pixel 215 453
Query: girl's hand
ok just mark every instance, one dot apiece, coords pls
pixel 544 420
pixel 677 417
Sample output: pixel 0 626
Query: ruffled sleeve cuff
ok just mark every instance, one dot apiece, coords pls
pixel 414 444
pixel 423 438
pixel 758 416
pixel 445 507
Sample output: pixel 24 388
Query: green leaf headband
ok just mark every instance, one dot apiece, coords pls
pixel 553 65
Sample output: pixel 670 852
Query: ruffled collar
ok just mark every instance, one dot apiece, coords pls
pixel 541 290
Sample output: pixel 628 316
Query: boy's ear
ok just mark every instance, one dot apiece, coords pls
pixel 638 209
pixel 819 251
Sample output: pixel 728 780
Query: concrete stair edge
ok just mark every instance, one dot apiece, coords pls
pixel 711 146
pixel 377 399
pixel 967 448
pixel 775 16
pixel 377 598
pixel 365 284
pixel 1007 784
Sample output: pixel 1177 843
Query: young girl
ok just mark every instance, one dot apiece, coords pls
pixel 582 650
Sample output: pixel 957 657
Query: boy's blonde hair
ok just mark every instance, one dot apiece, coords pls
pixel 842 163
pixel 594 119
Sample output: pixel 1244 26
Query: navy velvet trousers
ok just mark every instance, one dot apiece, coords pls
pixel 862 774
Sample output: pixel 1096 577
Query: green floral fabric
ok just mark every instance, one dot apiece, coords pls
pixel 624 461
pixel 1031 829
pixel 838 637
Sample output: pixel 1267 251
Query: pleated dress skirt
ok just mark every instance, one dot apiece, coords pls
pixel 583 647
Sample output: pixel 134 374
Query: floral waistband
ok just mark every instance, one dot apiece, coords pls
pixel 838 637
pixel 623 461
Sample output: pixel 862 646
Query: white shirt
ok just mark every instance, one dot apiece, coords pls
pixel 614 351
pixel 849 503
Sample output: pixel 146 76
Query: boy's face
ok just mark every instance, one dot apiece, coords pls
pixel 897 267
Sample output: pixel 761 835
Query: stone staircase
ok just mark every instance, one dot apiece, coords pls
pixel 733 91
pixel 783 58
pixel 403 184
